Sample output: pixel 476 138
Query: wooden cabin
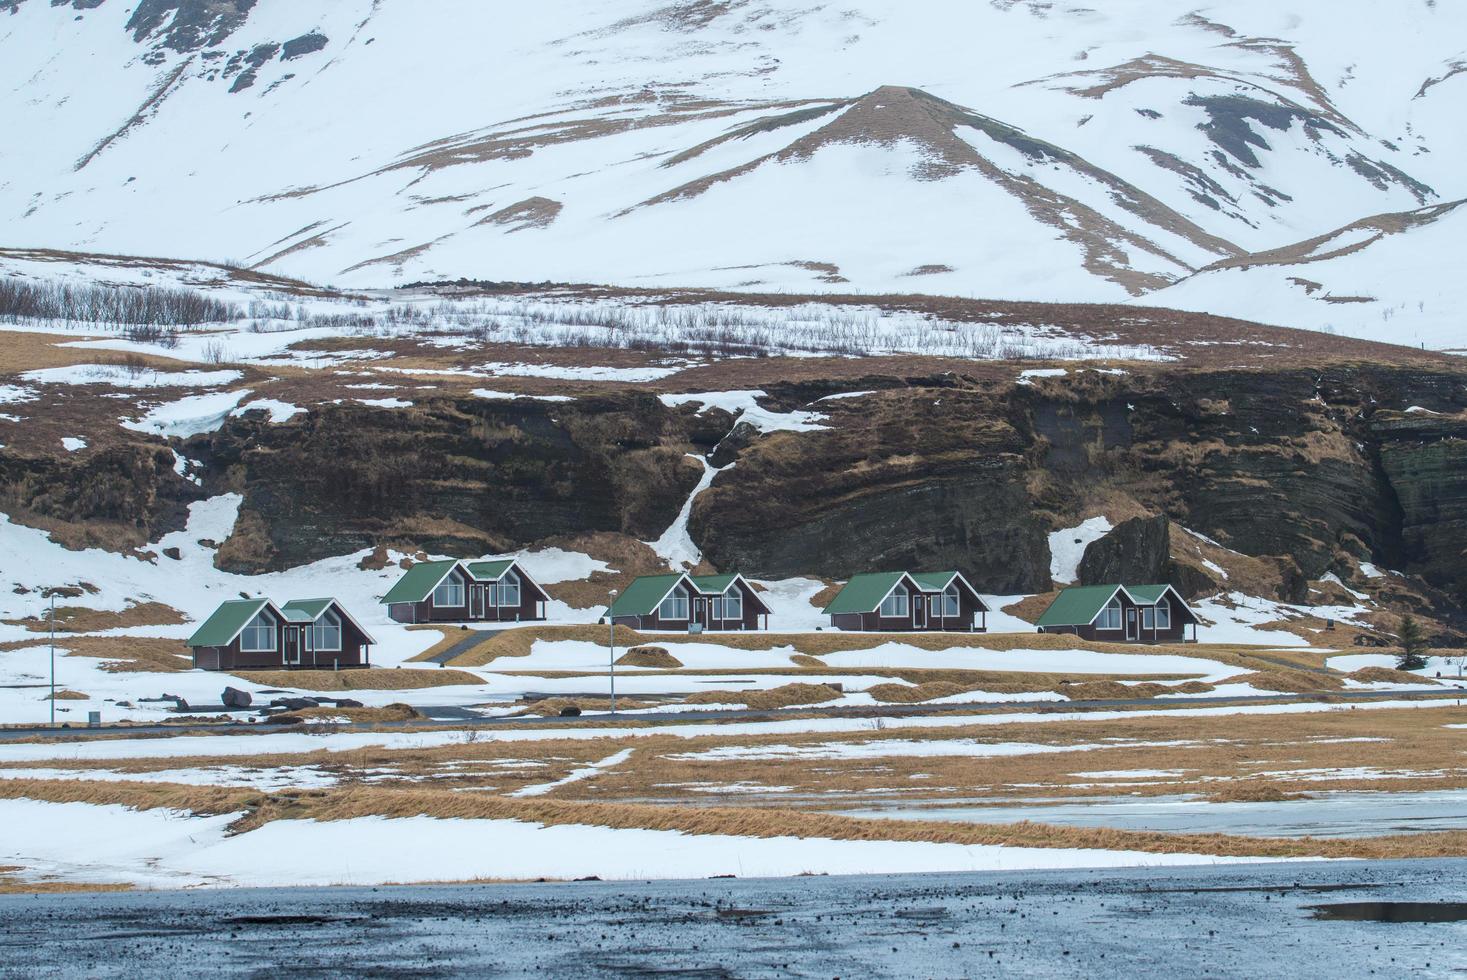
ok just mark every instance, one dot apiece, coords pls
pixel 715 603
pixel 1121 614
pixel 303 634
pixel 455 591
pixel 907 602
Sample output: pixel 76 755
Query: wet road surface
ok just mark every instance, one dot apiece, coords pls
pixel 1252 921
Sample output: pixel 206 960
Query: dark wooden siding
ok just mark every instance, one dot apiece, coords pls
pixel 703 614
pixel 473 610
pixel 1176 633
pixel 876 623
pixel 353 652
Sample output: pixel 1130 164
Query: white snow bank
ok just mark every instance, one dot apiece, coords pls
pixel 111 844
pixel 1067 546
pixel 188 416
pixel 119 376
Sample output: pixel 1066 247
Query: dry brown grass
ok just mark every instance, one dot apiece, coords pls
pixel 766 823
pixel 552 707
pixel 778 697
pixel 626 555
pixel 653 657
pixel 11 885
pixel 1289 681
pixel 368 679
pixel 387 713
pixel 1385 675
pixel 915 694
pixel 1030 608
pixel 80 619
pixel 207 800
pixel 124 654
pixel 1252 791
pixel 805 660
pixel 68 696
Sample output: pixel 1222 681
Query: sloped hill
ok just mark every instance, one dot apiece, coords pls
pixel 1390 276
pixel 1011 150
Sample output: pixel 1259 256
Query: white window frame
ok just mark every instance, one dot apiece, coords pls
pixel 952 604
pixel 674 606
pixel 447 589
pixel 733 604
pixel 501 591
pixel 262 621
pixel 1110 617
pixel 1148 617
pixel 895 605
pixel 1163 614
pixel 322 629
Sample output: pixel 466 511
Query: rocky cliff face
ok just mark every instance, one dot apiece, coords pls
pixel 454 476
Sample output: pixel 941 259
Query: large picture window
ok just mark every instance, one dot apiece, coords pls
pixel 733 604
pixel 508 590
pixel 259 635
pixel 895 604
pixel 1148 618
pixel 1163 615
pixel 326 633
pixel 950 605
pixel 1110 616
pixel 675 606
pixel 449 593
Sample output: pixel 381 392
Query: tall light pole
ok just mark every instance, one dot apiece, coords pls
pixel 612 660
pixel 53 659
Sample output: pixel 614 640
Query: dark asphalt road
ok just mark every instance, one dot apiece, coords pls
pixel 749 714
pixel 1253 921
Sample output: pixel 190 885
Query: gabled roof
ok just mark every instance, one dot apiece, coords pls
pixel 939 581
pixel 1078 605
pixel 489 571
pixel 310 610
pixel 305 610
pixel 228 621
pixel 644 595
pixel 719 584
pixel 864 592
pixel 713 584
pixel 418 582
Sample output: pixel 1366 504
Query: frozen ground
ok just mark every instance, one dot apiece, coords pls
pixel 159 848
pixel 1321 815
pixel 1182 921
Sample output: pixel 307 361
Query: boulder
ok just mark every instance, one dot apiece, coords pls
pixel 570 711
pixel 1136 552
pixel 235 698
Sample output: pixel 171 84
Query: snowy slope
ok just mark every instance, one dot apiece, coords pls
pixel 1395 277
pixel 1003 149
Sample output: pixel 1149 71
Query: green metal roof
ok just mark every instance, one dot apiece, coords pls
pixel 220 629
pixel 1077 606
pixel 863 593
pixel 418 582
pixel 1080 604
pixel 712 584
pixel 305 610
pixel 1147 595
pixel 489 571
pixel 643 595
pixel 933 581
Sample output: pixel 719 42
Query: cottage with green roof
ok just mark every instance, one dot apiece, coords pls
pixel 906 602
pixel 495 590
pixel 303 634
pixel 690 602
pixel 1121 614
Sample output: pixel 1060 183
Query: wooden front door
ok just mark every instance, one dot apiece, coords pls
pixel 291 641
pixel 1131 623
pixel 700 612
pixel 476 602
pixel 919 612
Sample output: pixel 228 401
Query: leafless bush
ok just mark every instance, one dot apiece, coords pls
pixel 117 307
pixel 217 352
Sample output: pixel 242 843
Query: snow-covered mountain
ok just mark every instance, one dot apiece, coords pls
pixel 1002 149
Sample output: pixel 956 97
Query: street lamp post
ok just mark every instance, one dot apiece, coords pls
pixel 612 660
pixel 53 660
